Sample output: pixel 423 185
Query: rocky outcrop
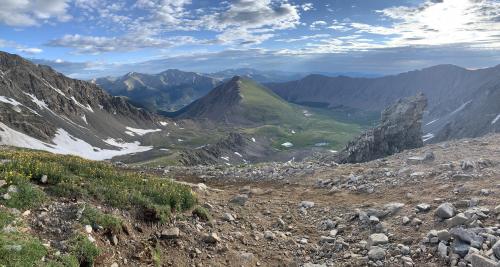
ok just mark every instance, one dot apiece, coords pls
pixel 399 129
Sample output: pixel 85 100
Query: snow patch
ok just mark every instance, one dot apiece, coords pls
pixel 141 132
pixel 253 140
pixel 40 103
pixel 225 158
pixel 84 118
pixel 287 144
pixel 49 85
pixel 64 143
pixel 9 100
pixel 306 113
pixel 238 154
pixel 461 107
pixel 87 107
pixel 431 122
pixel 163 123
pixel 427 137
pixel 495 119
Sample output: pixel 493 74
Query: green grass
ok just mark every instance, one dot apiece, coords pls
pixel 156 254
pixel 27 196
pixel 202 213
pixel 92 216
pixel 277 119
pixel 83 250
pixel 18 248
pixel 74 177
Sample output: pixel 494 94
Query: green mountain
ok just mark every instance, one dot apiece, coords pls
pixel 253 109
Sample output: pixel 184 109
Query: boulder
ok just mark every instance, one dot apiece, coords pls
pixel 481 261
pixel 170 233
pixel 376 253
pixel 239 199
pixel 377 239
pixel 445 211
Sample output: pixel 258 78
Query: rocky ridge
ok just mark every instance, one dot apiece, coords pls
pixel 399 129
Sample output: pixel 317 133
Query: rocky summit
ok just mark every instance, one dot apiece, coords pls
pixel 399 129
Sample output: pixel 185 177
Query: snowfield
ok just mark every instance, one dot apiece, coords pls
pixel 64 143
pixel 131 131
pixel 495 119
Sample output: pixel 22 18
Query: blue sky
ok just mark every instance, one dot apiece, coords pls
pixel 88 38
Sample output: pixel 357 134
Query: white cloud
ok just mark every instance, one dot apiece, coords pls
pixel 32 12
pixel 339 26
pixel 307 6
pixel 472 22
pixel 97 44
pixel 254 20
pixel 305 37
pixel 318 24
pixel 30 50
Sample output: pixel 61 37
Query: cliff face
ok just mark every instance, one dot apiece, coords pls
pixel 399 129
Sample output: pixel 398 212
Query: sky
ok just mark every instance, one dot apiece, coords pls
pixel 92 38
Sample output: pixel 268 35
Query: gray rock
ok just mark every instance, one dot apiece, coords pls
pixel 228 217
pixel 399 129
pixel 376 253
pixel 377 239
pixel 44 179
pixel 12 189
pixel 423 207
pixel 445 211
pixel 481 261
pixel 170 233
pixel 496 249
pixel 467 235
pixel 239 199
pixel 459 247
pixel 443 235
pixel 458 219
pixel 211 238
pixel 442 250
pixel 306 204
pixel 269 235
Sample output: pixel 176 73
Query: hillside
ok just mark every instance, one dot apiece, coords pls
pixel 169 90
pixel 43 109
pixel 450 89
pixel 65 211
pixel 253 109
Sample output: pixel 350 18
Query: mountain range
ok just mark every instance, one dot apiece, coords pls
pixel 43 109
pixel 169 90
pixel 462 102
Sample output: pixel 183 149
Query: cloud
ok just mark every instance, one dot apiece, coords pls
pixel 471 22
pixel 96 44
pixel 146 23
pixel 379 61
pixel 253 19
pixel 33 12
pixel 30 50
pixel 316 25
pixel 316 37
pixel 307 6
